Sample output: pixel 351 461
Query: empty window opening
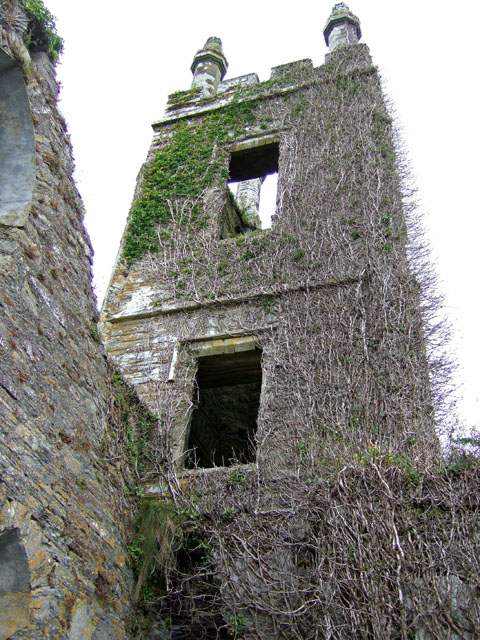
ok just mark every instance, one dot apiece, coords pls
pixel 253 162
pixel 227 399
pixel 268 200
pixel 253 173
pixel 256 200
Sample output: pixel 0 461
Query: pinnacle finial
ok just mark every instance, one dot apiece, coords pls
pixel 342 27
pixel 214 44
pixel 209 66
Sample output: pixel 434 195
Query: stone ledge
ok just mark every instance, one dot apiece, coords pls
pixel 194 304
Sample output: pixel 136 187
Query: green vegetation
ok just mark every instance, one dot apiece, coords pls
pixel 182 98
pixel 138 428
pixel 152 548
pixel 381 133
pixel 165 533
pixel 236 477
pixel 94 333
pixel 184 168
pixel 132 426
pixel 237 625
pixel 41 33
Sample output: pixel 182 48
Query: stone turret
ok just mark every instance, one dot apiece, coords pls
pixel 342 27
pixel 209 67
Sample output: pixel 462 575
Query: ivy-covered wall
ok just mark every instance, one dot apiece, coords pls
pixel 328 272
pixel 324 534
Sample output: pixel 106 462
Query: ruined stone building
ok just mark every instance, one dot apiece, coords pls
pixel 262 461
pixel 202 295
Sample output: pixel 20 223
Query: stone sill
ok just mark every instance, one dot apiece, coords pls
pixel 186 476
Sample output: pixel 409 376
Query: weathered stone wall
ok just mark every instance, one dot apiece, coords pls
pixel 63 515
pixel 17 156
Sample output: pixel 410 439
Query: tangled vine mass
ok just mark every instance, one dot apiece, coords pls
pixel 350 523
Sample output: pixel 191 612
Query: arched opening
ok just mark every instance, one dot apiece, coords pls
pixel 17 145
pixel 14 584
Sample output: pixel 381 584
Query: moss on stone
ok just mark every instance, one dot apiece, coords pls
pixel 41 34
pixel 192 161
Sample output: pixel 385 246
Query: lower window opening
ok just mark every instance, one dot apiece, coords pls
pixel 227 399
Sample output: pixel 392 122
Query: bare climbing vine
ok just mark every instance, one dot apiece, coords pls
pixel 350 524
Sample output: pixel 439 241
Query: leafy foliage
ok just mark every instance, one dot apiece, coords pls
pixel 130 429
pixel 151 549
pixel 41 32
pixel 188 164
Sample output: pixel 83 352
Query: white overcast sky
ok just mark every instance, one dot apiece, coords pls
pixel 123 58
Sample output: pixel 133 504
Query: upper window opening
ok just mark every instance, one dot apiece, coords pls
pixel 253 162
pixel 268 200
pixel 253 172
pixel 227 399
